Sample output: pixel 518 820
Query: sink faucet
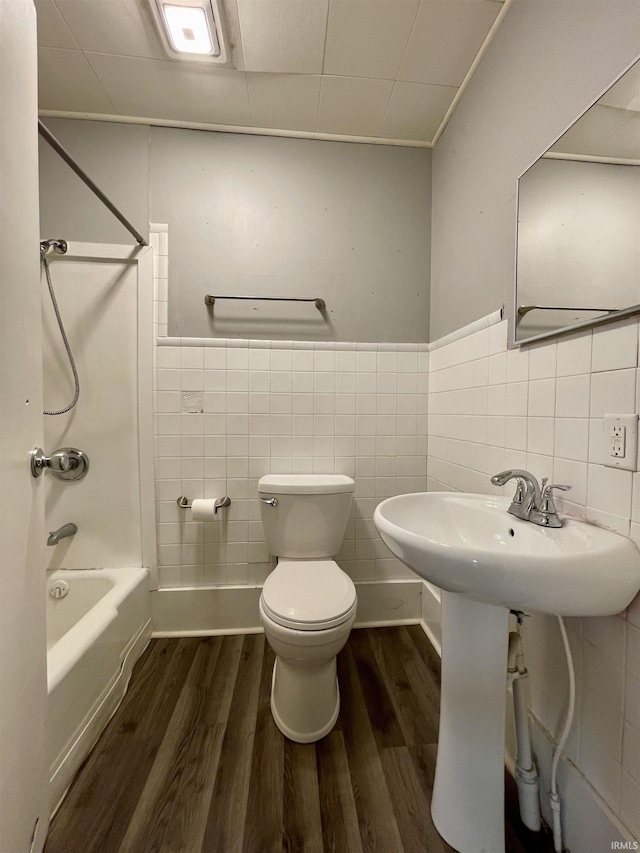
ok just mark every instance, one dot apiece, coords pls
pixel 531 501
pixel 527 496
pixel 55 536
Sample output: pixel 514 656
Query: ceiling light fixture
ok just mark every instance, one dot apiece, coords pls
pixel 191 29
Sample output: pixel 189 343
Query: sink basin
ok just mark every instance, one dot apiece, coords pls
pixel 469 544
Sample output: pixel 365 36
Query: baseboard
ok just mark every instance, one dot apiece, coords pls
pixel 210 611
pixel 390 602
pixel 205 611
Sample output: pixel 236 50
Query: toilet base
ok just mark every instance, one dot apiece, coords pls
pixel 311 700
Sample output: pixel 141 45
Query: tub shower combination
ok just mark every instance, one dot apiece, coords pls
pixel 98 619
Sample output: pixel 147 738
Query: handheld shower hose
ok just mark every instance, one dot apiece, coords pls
pixel 59 246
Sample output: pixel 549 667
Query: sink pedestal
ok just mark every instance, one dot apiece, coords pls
pixel 468 794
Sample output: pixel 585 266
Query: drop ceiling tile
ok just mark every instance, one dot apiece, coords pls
pixel 180 91
pixel 445 40
pixel 122 27
pixel 66 81
pixel 284 101
pixel 52 29
pixel 354 106
pixel 416 110
pixel 285 36
pixel 368 39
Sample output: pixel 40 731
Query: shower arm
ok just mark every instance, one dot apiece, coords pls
pixel 57 146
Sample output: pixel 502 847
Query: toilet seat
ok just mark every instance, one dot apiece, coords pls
pixel 309 595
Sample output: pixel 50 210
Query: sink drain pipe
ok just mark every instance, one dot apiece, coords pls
pixel 553 796
pixel 526 771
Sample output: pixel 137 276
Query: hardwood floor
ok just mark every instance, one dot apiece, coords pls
pixel 192 761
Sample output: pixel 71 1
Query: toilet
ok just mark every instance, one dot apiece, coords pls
pixel 308 604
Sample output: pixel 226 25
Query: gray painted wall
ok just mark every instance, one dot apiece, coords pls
pixel 269 216
pixel 252 215
pixel 549 62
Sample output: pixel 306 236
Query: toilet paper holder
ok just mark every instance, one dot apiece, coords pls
pixel 221 503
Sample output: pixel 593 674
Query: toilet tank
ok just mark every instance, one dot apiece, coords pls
pixel 311 514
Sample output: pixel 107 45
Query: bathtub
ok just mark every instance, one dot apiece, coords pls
pixel 95 634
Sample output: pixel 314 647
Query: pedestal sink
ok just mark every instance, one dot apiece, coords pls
pixel 488 562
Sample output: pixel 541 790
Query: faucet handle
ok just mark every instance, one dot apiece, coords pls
pixel 546 496
pixel 59 461
pixel 67 463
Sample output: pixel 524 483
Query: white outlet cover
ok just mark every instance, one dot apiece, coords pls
pixel 612 424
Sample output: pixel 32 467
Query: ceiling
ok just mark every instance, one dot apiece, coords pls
pixel 380 70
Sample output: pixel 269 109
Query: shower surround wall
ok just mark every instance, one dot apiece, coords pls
pixel 103 294
pixel 541 408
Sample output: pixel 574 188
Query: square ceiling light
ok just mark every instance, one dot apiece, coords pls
pixel 191 29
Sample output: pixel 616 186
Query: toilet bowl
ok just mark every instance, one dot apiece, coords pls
pixel 308 604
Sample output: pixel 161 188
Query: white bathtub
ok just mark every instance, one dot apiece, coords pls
pixel 95 634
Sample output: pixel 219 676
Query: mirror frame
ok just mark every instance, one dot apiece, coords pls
pixel 513 309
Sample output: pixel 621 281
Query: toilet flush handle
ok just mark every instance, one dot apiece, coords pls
pixel 269 501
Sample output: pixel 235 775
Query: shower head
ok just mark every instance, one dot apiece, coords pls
pixel 59 246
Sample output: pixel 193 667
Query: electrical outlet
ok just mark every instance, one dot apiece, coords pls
pixel 621 442
pixel 618 440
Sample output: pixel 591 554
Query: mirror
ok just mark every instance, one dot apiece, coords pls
pixel 578 247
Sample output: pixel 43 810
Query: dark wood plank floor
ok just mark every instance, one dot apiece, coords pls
pixel 192 762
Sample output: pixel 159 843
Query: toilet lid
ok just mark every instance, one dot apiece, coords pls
pixel 308 594
pixel 305 484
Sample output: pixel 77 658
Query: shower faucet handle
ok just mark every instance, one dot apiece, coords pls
pixel 66 463
pixel 40 462
pixel 59 461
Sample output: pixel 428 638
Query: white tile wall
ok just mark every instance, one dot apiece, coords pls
pixel 266 407
pixel 541 408
pixel 159 242
pixel 228 412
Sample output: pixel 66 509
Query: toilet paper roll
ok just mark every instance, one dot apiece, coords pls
pixel 203 509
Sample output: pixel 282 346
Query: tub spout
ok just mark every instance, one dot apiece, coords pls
pixel 55 536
